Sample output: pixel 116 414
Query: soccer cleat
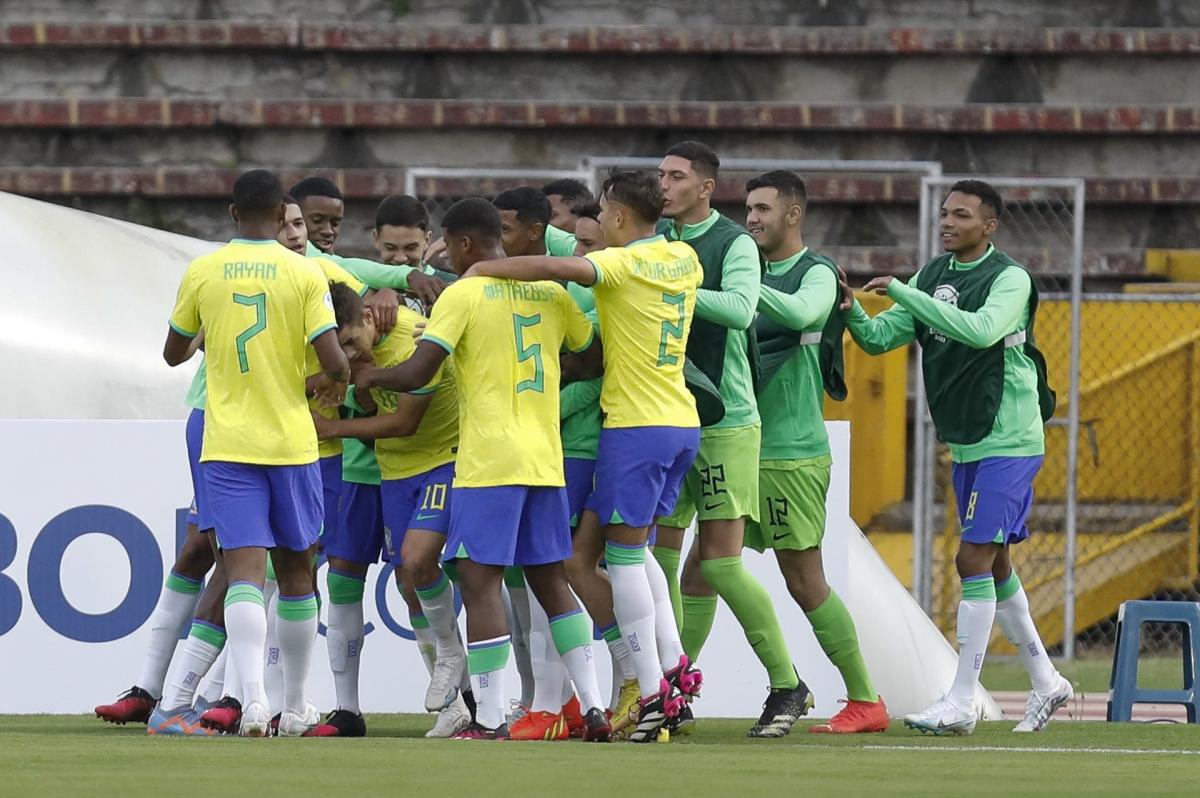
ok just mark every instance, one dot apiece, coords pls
pixel 224 716
pixel 182 721
pixel 451 720
pixel 1039 707
pixel 256 720
pixel 783 707
pixel 476 732
pixel 682 724
pixel 627 699
pixel 516 711
pixel 856 717
pixel 596 728
pixel 133 706
pixel 572 713
pixel 444 681
pixel 202 705
pixel 943 717
pixel 685 678
pixel 651 712
pixel 275 724
pixel 340 723
pixel 539 726
pixel 299 724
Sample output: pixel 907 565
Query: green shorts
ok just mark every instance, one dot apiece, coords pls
pixel 722 483
pixel 792 504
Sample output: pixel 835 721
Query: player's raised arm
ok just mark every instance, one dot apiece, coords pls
pixel 531 268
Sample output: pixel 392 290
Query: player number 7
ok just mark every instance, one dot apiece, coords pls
pixel 259 303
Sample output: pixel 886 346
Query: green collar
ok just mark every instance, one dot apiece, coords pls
pixel 257 242
pixel 643 241
pixel 781 266
pixel 690 231
pixel 962 267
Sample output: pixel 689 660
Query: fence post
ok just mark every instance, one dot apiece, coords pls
pixel 1073 425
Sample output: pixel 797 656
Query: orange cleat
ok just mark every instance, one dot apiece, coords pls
pixel 572 712
pixel 857 717
pixel 539 726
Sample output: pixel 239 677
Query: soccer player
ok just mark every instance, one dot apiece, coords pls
pixel 416 437
pixel 260 307
pixel 797 304
pixel 509 505
pixel 566 197
pixel 721 490
pixel 402 236
pixel 972 310
pixel 645 289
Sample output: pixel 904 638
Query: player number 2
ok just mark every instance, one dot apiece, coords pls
pixel 259 303
pixel 533 351
pixel 671 330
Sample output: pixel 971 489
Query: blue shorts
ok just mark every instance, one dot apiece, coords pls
pixel 416 502
pixel 581 476
pixel 639 472
pixel 994 496
pixel 358 533
pixel 510 525
pixel 331 489
pixel 265 506
pixel 198 515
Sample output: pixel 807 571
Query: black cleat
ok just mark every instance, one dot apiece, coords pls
pixel 340 723
pixel 783 707
pixel 682 724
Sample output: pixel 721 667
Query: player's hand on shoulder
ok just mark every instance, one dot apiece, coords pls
pixel 383 304
pixel 879 285
pixel 364 380
pixel 425 287
pixel 847 293
pixel 324 427
pixel 419 329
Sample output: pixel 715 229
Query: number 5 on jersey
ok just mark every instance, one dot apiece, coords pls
pixel 533 351
pixel 259 303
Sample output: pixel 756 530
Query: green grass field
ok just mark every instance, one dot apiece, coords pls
pixel 1088 675
pixel 75 755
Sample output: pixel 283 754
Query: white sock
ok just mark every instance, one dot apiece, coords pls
pixel 633 606
pixel 666 633
pixel 572 634
pixel 519 623
pixel 214 685
pixel 437 604
pixel 1015 619
pixel 176 606
pixel 549 672
pixel 246 625
pixel 297 630
pixel 272 663
pixel 618 680
pixel 486 660
pixel 976 612
pixel 426 640
pixel 344 639
pixel 233 680
pixel 203 645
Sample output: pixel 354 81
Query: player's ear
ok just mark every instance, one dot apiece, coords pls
pixel 428 238
pixel 989 227
pixel 233 214
pixel 707 186
pixel 375 236
pixel 281 213
pixel 536 231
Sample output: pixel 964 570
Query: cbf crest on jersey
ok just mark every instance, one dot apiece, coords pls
pixel 949 295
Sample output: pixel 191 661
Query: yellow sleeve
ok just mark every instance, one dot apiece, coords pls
pixel 406 322
pixel 336 274
pixel 612 265
pixel 185 318
pixel 579 330
pixel 318 305
pixel 450 316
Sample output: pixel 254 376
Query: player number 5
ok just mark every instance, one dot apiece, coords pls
pixel 533 351
pixel 259 303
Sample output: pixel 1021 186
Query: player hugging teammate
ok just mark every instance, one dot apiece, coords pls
pixel 541 443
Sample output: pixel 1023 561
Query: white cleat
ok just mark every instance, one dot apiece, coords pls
pixel 295 724
pixel 944 717
pixel 451 720
pixel 256 720
pixel 445 680
pixel 1040 707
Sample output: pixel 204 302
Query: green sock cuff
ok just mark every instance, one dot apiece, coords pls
pixel 213 635
pixel 617 554
pixel 418 620
pixel 344 589
pixel 611 634
pixel 436 589
pixel 183 584
pixel 570 631
pixel 668 558
pixel 488 657
pixel 699 602
pixel 514 577
pixel 979 588
pixel 716 567
pixel 831 608
pixel 1009 587
pixel 297 608
pixel 271 568
pixel 240 592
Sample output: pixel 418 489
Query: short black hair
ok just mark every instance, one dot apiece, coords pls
pixel 347 304
pixel 315 187
pixel 473 216
pixel 789 185
pixel 530 204
pixel 988 195
pixel 590 210
pixel 704 159
pixel 640 191
pixel 288 199
pixel 401 210
pixel 257 195
pixel 573 192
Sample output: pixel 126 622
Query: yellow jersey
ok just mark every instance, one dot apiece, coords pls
pixel 260 305
pixel 645 297
pixel 330 447
pixel 435 442
pixel 505 337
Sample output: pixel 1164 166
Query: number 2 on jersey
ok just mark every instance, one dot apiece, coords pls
pixel 259 303
pixel 533 351
pixel 671 330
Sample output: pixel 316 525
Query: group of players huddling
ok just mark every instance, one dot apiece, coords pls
pixel 591 379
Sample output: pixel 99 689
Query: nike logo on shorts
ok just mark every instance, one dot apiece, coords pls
pixel 779 535
pixel 708 506
pixel 423 517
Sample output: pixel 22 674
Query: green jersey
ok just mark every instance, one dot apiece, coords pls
pixel 1017 430
pixel 375 275
pixel 559 243
pixel 579 403
pixel 197 394
pixel 358 459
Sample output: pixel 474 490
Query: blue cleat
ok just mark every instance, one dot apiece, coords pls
pixel 181 721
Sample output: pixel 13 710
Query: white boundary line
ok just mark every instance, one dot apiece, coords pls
pixel 1014 750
